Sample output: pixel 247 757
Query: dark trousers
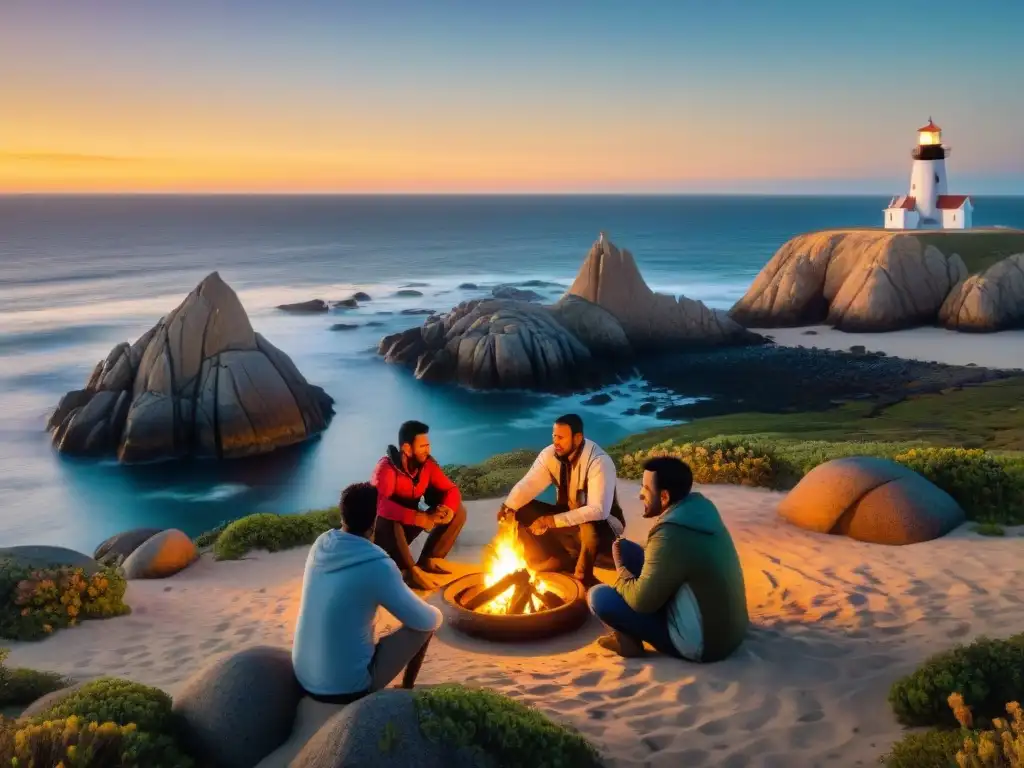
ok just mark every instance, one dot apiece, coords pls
pixel 577 549
pixel 394 538
pixel 402 649
pixel 615 613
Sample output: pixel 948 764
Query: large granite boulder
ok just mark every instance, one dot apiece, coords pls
pixel 162 555
pixel 882 280
pixel 240 708
pixel 380 731
pixel 115 549
pixel 593 325
pixel 873 500
pixel 41 556
pixel 199 383
pixel 464 728
pixel 990 301
pixel 652 321
pixel 494 344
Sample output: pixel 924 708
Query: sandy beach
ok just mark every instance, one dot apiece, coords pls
pixel 835 622
pixel 1004 349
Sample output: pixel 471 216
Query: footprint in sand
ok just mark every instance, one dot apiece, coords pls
pixel 543 689
pixel 588 679
pixel 626 691
pixel 959 630
pixel 714 727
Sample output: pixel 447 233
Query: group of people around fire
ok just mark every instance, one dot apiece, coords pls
pixel 682 592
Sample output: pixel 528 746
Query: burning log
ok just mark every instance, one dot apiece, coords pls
pixel 551 600
pixel 521 597
pixel 483 597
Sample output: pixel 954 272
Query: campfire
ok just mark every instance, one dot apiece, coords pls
pixel 509 586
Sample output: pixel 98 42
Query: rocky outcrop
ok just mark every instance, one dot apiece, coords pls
pixel 990 301
pixel 873 500
pixel 610 278
pixel 305 307
pixel 606 317
pixel 494 344
pixel 199 383
pixel 874 280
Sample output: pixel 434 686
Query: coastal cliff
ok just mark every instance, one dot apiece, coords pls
pixel 884 280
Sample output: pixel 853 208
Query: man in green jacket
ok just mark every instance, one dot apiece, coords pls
pixel 683 593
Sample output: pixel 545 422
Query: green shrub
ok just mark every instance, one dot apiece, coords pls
pixel 273 532
pixel 989 529
pixel 980 483
pixel 82 744
pixel 37 601
pixel 492 478
pixel 116 700
pixel 987 673
pixel 20 687
pixel 936 748
pixel 507 732
pixel 712 461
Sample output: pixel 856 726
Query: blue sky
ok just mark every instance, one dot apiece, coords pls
pixel 453 95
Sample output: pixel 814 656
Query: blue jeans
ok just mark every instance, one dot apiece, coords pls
pixel 615 613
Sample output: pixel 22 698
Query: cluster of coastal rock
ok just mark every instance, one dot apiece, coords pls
pixel 608 316
pixel 869 280
pixel 140 553
pixel 200 383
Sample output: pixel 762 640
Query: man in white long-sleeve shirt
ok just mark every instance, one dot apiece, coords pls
pixel 577 531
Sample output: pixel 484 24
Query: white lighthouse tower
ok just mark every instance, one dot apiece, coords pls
pixel 929 204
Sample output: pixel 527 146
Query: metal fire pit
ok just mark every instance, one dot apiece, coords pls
pixel 516 627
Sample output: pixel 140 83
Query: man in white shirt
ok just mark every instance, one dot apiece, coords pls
pixel 577 531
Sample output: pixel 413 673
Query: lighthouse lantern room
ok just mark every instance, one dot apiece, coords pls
pixel 929 204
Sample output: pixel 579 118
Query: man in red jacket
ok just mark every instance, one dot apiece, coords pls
pixel 404 477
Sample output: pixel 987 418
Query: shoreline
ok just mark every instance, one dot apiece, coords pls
pixel 1002 350
pixel 834 623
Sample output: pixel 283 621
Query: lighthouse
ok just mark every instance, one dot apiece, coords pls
pixel 929 204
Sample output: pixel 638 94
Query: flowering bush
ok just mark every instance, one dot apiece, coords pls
pixel 1002 747
pixel 710 462
pixel 77 742
pixel 116 700
pixel 36 602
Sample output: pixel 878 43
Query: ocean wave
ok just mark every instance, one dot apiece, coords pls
pixel 216 493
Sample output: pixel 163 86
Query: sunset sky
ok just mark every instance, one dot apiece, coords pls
pixel 503 95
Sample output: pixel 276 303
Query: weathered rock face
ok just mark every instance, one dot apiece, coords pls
pixel 873 500
pixel 652 321
pixel 593 325
pixel 493 344
pixel 200 383
pixel 990 301
pixel 852 280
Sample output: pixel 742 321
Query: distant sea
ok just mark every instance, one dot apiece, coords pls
pixel 81 274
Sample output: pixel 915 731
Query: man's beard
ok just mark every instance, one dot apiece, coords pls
pixel 412 463
pixel 654 509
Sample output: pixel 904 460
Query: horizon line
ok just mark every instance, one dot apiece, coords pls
pixel 441 193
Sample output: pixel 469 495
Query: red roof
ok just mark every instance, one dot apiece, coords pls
pixel 930 128
pixel 906 203
pixel 951 202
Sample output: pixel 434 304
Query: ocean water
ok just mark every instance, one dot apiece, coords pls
pixel 81 274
